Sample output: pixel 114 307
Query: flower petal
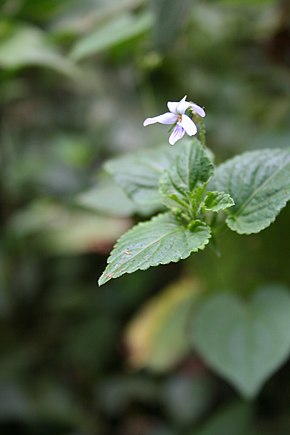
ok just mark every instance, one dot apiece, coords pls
pixel 172 105
pixel 188 125
pixel 177 134
pixel 183 106
pixel 199 110
pixel 165 118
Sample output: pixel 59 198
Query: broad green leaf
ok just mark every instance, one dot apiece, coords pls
pixel 216 201
pixel 118 30
pixel 161 240
pixel 26 46
pixel 161 322
pixel 138 174
pixel 191 169
pixel 258 182
pixel 244 341
pixel 108 198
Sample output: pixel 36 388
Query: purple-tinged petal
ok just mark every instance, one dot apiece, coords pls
pixel 188 125
pixel 165 118
pixel 177 134
pixel 172 105
pixel 199 110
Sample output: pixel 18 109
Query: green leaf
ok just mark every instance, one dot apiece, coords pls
pixel 107 197
pixel 138 174
pixel 161 240
pixel 244 341
pixel 191 169
pixel 27 46
pixel 216 201
pixel 258 182
pixel 118 30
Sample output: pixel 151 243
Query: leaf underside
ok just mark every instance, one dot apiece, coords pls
pixel 138 175
pixel 96 198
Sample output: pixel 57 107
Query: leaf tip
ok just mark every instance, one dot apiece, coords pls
pixel 105 277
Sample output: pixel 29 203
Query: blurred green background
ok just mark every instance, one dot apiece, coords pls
pixel 78 77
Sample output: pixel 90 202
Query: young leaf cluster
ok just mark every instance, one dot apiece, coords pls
pixel 184 185
pixel 183 228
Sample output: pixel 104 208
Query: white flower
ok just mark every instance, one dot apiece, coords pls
pixel 177 116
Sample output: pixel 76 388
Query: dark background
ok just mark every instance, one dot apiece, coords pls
pixel 78 77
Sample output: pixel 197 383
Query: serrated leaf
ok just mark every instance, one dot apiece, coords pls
pixel 244 341
pixel 258 182
pixel 191 169
pixel 160 322
pixel 138 174
pixel 216 201
pixel 116 31
pixel 161 240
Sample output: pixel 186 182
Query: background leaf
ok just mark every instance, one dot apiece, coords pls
pixel 139 173
pixel 26 46
pixel 162 320
pixel 258 182
pixel 161 240
pixel 114 32
pixel 63 230
pixel 244 342
pixel 97 197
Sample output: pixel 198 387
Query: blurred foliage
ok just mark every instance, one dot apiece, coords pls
pixel 149 337
pixel 245 342
pixel 77 79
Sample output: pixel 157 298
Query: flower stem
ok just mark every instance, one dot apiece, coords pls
pixel 201 131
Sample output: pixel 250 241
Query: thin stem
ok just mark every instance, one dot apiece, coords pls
pixel 219 229
pixel 201 131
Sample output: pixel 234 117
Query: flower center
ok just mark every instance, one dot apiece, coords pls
pixel 179 119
